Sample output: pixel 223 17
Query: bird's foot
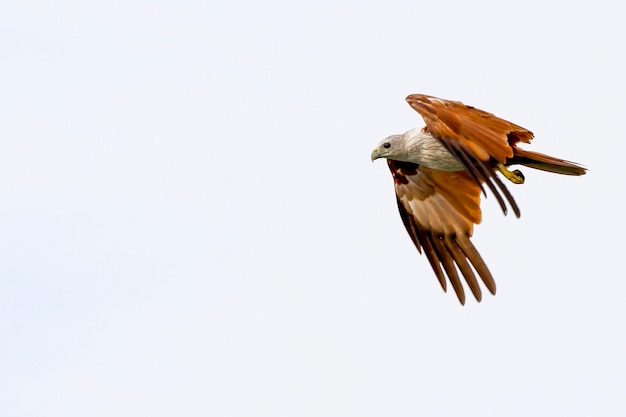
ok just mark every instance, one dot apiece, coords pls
pixel 515 177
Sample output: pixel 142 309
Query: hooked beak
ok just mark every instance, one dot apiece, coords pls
pixel 375 154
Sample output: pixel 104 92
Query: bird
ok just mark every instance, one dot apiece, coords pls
pixel 439 173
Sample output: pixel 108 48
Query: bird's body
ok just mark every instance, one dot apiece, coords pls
pixel 439 172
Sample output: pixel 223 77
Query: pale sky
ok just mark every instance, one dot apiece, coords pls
pixel 192 226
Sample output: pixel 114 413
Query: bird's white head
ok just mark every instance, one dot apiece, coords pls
pixel 419 147
pixel 391 147
pixel 400 147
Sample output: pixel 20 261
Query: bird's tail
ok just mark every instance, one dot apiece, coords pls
pixel 545 163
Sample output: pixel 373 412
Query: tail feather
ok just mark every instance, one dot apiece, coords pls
pixel 545 163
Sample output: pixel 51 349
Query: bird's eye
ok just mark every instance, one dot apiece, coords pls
pixel 386 145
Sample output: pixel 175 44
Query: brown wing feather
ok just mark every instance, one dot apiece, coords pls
pixel 439 210
pixel 487 135
pixel 476 137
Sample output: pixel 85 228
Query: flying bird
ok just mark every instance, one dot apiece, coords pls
pixel 439 172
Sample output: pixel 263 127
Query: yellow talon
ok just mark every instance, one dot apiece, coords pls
pixel 515 177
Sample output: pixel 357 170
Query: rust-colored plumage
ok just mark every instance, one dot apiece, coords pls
pixel 440 207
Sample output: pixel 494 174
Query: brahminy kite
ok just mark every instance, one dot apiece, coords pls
pixel 439 172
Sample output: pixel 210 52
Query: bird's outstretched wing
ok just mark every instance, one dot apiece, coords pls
pixel 439 210
pixel 477 138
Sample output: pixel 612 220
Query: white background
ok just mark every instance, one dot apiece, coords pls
pixel 190 223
